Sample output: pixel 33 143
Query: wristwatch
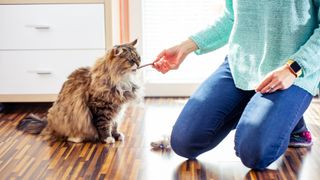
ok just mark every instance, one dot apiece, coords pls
pixel 294 67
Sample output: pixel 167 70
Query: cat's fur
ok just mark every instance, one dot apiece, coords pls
pixel 90 100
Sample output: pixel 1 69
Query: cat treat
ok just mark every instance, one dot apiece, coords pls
pixel 145 65
pixel 163 143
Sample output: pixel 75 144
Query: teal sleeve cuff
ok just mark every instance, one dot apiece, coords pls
pixel 308 56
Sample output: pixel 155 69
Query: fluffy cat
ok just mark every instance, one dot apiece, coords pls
pixel 90 99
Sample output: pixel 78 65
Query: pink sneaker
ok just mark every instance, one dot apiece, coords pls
pixel 302 139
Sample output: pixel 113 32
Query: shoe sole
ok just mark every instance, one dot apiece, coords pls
pixel 301 145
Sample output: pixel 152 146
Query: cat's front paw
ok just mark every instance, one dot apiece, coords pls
pixel 118 136
pixel 110 140
pixel 75 139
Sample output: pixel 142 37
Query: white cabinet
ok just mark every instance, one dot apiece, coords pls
pixel 52 26
pixel 40 72
pixel 40 45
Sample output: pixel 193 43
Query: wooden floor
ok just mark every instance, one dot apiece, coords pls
pixel 25 156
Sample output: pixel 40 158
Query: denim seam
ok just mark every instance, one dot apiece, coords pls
pixel 228 118
pixel 236 137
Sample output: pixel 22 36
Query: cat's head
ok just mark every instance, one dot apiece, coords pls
pixel 124 58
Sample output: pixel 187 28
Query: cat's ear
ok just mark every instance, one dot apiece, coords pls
pixel 117 51
pixel 133 43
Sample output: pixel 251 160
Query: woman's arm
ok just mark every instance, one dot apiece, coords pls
pixel 171 58
pixel 308 56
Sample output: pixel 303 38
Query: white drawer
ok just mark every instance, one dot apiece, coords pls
pixel 68 26
pixel 40 72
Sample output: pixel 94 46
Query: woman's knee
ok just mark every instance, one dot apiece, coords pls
pixel 183 145
pixel 254 157
pixel 255 151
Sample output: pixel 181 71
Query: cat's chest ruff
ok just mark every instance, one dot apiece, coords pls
pixel 125 85
pixel 120 91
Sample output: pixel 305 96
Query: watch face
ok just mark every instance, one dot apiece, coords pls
pixel 295 67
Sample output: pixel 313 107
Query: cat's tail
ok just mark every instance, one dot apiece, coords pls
pixel 32 124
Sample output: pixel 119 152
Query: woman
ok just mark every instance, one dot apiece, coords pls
pixel 263 87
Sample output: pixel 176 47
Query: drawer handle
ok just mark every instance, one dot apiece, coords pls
pixel 44 73
pixel 41 72
pixel 38 26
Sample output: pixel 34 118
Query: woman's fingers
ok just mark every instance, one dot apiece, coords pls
pixel 164 68
pixel 262 86
pixel 167 60
pixel 270 84
pixel 160 56
pixel 276 88
pixel 279 79
pixel 157 63
pixel 268 87
pixel 271 87
pixel 161 66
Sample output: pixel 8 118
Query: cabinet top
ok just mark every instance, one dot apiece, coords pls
pixel 50 1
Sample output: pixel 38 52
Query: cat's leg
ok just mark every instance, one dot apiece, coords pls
pixel 104 127
pixel 75 139
pixel 115 133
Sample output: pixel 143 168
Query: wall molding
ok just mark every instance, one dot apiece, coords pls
pixel 2 2
pixel 28 97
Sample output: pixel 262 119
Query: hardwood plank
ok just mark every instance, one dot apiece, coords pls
pixel 24 156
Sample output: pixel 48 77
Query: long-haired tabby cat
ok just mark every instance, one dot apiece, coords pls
pixel 90 100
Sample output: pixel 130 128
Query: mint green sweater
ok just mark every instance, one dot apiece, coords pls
pixel 263 35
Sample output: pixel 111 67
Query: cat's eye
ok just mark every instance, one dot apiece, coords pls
pixel 132 62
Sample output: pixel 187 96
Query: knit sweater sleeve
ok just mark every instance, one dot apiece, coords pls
pixel 308 56
pixel 216 35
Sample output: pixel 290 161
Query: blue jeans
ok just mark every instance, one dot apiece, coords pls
pixel 263 122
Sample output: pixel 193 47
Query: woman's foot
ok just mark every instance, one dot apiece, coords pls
pixel 302 139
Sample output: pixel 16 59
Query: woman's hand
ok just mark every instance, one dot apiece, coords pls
pixel 171 58
pixel 279 79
